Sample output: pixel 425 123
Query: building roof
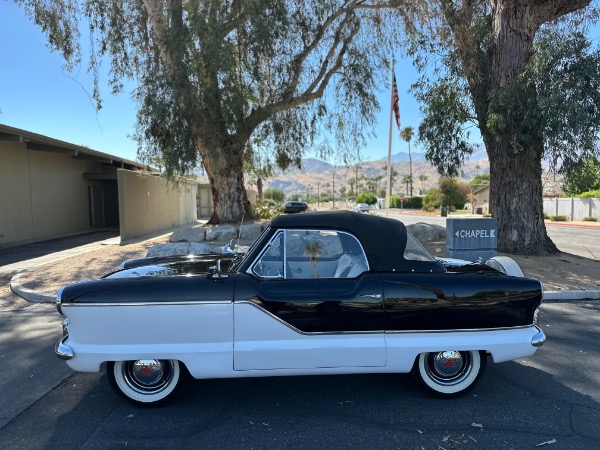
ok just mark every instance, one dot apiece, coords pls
pixel 39 142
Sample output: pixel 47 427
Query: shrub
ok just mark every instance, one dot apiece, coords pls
pixel 367 197
pixel 486 215
pixel 590 219
pixel 590 194
pixel 558 218
pixel 266 209
pixel 546 215
pixel 413 202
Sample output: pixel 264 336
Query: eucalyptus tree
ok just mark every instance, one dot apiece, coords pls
pixel 221 79
pixel 526 76
pixel 407 134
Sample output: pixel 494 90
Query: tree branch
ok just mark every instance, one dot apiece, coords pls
pixel 550 10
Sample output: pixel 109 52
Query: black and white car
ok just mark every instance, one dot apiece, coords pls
pixel 320 293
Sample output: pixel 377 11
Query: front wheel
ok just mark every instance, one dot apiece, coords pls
pixel 449 374
pixel 147 382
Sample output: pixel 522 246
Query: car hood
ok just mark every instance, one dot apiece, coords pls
pixel 175 265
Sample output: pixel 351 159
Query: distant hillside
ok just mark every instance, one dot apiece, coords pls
pixel 320 176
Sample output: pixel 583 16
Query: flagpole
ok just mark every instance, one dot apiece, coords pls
pixel 388 190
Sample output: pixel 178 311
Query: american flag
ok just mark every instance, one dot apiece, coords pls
pixel 395 100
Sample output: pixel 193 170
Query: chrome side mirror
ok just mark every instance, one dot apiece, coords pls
pixel 214 272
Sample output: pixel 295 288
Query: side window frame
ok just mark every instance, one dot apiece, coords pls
pixel 284 232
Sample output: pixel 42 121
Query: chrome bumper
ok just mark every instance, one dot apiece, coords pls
pixel 539 338
pixel 63 351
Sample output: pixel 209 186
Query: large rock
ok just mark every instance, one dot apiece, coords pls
pixel 181 248
pixel 199 249
pixel 197 233
pixel 251 231
pixel 426 232
pixel 178 249
pixel 221 233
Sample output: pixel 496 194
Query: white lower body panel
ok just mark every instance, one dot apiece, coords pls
pixel 202 337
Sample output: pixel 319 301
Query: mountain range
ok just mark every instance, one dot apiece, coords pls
pixel 320 176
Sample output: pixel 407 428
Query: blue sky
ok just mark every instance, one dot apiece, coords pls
pixel 37 95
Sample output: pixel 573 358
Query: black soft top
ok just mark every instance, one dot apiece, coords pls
pixel 383 239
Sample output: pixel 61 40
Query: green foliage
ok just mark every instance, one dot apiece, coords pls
pixel 432 199
pixel 266 209
pixel 486 215
pixel 274 194
pixel 590 219
pixel 581 176
pixel 453 193
pixel 367 197
pixel 546 216
pixel 558 218
pixel 442 130
pixel 409 203
pixel 590 194
pixel 479 180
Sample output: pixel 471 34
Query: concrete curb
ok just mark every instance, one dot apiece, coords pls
pixel 572 295
pixel 29 294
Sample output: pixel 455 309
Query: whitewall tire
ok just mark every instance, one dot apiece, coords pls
pixel 148 382
pixel 449 374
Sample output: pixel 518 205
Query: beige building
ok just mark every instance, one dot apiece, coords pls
pixel 51 188
pixel 481 200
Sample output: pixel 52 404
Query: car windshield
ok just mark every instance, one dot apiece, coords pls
pixel 242 257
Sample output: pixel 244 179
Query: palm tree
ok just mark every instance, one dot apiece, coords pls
pixel 423 179
pixel 407 179
pixel 407 134
pixel 393 175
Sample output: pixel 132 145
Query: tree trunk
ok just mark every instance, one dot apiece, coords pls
pixel 259 188
pixel 516 201
pixel 226 177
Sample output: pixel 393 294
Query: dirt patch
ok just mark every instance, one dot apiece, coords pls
pixel 49 278
pixel 556 272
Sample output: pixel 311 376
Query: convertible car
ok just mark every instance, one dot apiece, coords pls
pixel 317 293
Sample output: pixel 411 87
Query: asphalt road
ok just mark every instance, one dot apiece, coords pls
pixel 553 396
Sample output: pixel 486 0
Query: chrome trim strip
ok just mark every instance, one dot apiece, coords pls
pixel 198 302
pixel 539 338
pixel 63 351
pixel 461 330
pixel 305 333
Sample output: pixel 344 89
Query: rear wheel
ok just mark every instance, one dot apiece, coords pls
pixel 449 374
pixel 147 382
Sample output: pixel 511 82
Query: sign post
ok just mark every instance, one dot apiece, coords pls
pixel 401 202
pixel 471 239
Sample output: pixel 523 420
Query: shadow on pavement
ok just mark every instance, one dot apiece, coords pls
pixel 20 253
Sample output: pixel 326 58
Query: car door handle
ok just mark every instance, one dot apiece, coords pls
pixel 371 295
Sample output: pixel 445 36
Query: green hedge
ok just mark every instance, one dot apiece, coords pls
pixel 558 218
pixel 409 202
pixel 590 219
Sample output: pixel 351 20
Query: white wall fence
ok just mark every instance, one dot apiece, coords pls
pixel 573 208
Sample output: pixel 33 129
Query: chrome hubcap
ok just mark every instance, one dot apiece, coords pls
pixel 449 367
pixel 148 376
